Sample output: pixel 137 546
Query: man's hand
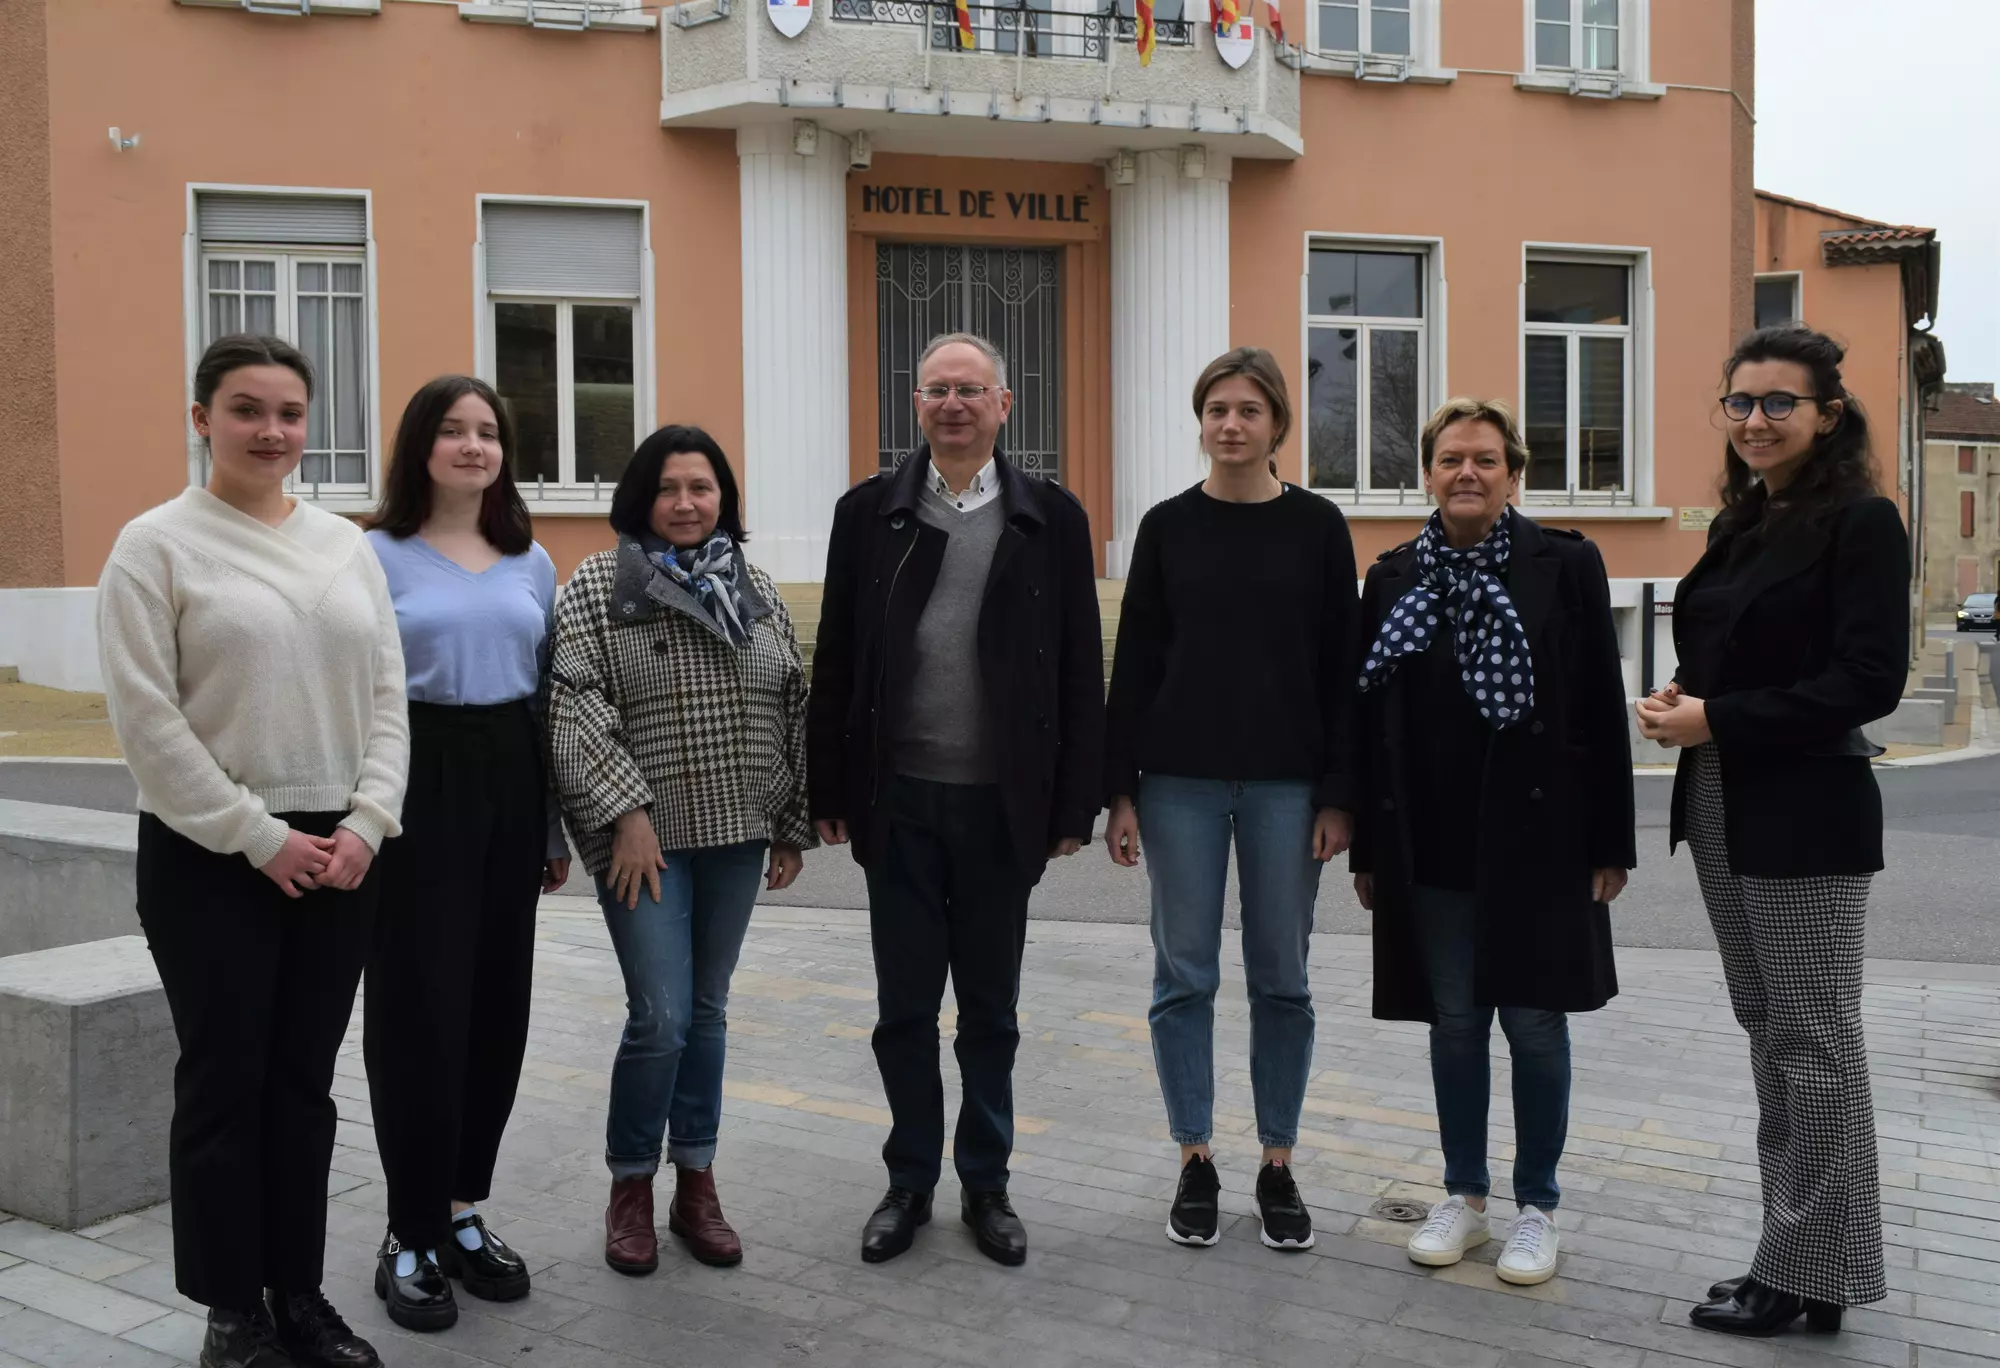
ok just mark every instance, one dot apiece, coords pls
pixel 1364 891
pixel 1333 833
pixel 832 831
pixel 1607 884
pixel 555 873
pixel 1065 848
pixel 1121 832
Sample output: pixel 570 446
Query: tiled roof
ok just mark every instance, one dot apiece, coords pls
pixel 1964 414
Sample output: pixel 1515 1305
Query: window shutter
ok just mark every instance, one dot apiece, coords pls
pixel 570 249
pixel 321 220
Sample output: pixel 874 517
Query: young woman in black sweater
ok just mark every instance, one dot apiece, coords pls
pixel 1243 585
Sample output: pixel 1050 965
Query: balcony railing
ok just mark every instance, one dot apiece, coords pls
pixel 1020 29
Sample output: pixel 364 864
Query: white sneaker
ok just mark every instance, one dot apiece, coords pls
pixel 1530 1255
pixel 1452 1229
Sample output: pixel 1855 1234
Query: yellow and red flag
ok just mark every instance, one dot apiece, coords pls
pixel 1227 16
pixel 966 38
pixel 1145 35
pixel 1277 21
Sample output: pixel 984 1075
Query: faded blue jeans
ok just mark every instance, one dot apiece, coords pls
pixel 1461 1062
pixel 677 956
pixel 1185 827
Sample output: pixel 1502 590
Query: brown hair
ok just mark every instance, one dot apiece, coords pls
pixel 407 490
pixel 1261 369
pixel 1467 410
pixel 237 350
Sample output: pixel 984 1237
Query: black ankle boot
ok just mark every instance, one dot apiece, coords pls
pixel 313 1333
pixel 421 1300
pixel 1760 1311
pixel 242 1339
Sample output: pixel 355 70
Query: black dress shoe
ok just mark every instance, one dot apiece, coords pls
pixel 893 1227
pixel 242 1339
pixel 1762 1311
pixel 1726 1289
pixel 492 1272
pixel 995 1228
pixel 421 1300
pixel 313 1333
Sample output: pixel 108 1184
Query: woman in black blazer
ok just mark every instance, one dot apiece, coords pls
pixel 1793 631
pixel 1495 821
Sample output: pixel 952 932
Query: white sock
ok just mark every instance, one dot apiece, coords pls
pixel 464 1231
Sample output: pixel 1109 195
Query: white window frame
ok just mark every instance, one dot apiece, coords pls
pixel 567 494
pixel 1636 498
pixel 610 16
pixel 1798 279
pixel 1631 80
pixel 294 8
pixel 342 498
pixel 1424 65
pixel 1431 352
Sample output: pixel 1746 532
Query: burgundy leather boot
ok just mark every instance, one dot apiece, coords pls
pixel 696 1216
pixel 630 1243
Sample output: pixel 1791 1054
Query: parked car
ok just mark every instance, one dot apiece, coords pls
pixel 1976 613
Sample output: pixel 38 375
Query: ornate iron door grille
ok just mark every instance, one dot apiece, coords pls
pixel 1010 295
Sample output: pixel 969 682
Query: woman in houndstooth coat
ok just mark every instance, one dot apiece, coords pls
pixel 677 728
pixel 1793 632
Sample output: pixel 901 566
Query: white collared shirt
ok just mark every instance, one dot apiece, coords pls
pixel 983 490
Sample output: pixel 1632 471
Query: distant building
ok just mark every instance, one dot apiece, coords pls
pixel 1962 477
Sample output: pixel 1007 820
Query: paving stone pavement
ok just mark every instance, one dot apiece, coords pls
pixel 1660 1190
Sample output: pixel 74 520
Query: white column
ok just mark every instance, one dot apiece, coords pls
pixel 1169 319
pixel 795 437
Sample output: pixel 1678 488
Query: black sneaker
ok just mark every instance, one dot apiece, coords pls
pixel 313 1333
pixel 1196 1215
pixel 1287 1223
pixel 242 1339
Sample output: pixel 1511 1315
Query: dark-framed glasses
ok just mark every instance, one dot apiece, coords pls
pixel 1777 405
pixel 937 394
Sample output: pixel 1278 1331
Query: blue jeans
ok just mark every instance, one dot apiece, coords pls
pixel 1461 1064
pixel 1185 828
pixel 677 956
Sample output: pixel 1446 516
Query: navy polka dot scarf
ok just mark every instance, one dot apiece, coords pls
pixel 1461 591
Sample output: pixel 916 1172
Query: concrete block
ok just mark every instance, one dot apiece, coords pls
pixel 1916 722
pixel 66 876
pixel 1943 697
pixel 87 1053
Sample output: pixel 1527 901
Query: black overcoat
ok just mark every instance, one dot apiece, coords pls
pixel 1818 643
pixel 1041 657
pixel 1553 804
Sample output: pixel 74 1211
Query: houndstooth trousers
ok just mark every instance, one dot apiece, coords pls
pixel 1791 950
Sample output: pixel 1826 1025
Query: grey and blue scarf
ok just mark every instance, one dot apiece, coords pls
pixel 1465 589
pixel 708 572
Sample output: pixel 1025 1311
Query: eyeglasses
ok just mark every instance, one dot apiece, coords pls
pixel 1777 405
pixel 937 394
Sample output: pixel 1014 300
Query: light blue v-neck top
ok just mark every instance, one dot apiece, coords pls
pixel 467 638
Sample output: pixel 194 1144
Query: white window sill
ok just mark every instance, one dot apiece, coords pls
pixel 293 7
pixel 347 505
pixel 563 504
pixel 1416 511
pixel 1373 70
pixel 606 21
pixel 1595 85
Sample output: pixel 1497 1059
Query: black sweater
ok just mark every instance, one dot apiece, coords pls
pixel 1236 652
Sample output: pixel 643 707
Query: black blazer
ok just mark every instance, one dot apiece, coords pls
pixel 1041 657
pixel 1818 643
pixel 1554 803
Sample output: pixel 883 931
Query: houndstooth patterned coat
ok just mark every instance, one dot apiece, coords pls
pixel 649 706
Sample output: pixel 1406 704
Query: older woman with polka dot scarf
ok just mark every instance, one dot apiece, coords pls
pixel 1495 820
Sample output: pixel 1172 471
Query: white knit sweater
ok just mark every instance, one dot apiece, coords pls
pixel 252 670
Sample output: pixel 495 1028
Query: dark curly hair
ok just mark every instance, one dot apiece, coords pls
pixel 1838 468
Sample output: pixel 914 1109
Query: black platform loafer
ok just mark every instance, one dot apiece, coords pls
pixel 422 1299
pixel 242 1339
pixel 995 1228
pixel 492 1272
pixel 314 1334
pixel 1759 1311
pixel 893 1226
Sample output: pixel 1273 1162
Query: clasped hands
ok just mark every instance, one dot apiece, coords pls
pixel 1673 718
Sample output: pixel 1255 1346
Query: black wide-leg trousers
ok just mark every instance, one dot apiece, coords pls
pixel 445 1016
pixel 261 986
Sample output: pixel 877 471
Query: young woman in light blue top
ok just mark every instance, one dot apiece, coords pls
pixel 448 978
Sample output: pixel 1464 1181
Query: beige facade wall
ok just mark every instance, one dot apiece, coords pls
pixel 1957 564
pixel 31 549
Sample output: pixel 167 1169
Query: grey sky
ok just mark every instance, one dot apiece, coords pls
pixel 1891 109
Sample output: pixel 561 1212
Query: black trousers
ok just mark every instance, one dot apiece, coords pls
pixel 261 986
pixel 947 895
pixel 445 1018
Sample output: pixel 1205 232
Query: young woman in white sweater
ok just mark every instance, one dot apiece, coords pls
pixel 255 681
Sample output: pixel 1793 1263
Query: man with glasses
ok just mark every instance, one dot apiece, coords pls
pixel 955 736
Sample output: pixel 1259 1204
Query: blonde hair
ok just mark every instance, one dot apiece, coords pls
pixel 1464 409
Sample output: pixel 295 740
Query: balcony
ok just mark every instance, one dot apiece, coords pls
pixel 1058 80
